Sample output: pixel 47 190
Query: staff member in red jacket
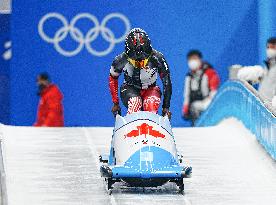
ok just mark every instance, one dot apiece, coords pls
pixel 50 108
pixel 201 84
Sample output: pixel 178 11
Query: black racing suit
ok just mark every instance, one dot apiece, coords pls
pixel 137 79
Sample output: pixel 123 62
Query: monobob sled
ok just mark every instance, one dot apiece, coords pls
pixel 143 153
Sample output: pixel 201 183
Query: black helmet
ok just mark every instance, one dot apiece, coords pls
pixel 137 44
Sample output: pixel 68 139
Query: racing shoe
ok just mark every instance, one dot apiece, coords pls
pixel 188 172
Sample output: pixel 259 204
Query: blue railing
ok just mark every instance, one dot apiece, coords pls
pixel 238 99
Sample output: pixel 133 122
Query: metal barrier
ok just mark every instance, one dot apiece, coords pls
pixel 240 100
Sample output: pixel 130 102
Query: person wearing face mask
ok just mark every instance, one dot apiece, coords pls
pixel 201 84
pixel 267 86
pixel 50 108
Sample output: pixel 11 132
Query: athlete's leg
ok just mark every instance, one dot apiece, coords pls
pixel 131 98
pixel 151 99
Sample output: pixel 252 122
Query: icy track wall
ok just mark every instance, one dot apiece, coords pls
pixel 3 190
pixel 239 100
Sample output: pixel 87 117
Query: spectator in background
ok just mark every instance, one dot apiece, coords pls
pixel 201 84
pixel 50 108
pixel 252 74
pixel 267 87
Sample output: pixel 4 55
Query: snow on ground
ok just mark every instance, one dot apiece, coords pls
pixel 59 166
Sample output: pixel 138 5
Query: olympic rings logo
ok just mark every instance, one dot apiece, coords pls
pixel 83 40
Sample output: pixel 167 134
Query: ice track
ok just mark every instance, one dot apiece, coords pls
pixel 59 167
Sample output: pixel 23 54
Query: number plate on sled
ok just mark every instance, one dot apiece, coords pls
pixel 146 156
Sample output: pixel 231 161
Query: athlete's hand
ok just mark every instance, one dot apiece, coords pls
pixel 166 111
pixel 116 109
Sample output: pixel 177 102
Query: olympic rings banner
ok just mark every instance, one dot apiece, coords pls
pixel 76 41
pixel 83 40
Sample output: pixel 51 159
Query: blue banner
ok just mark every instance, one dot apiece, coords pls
pixel 76 41
pixel 5 50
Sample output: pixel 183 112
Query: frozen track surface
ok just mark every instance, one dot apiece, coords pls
pixel 59 166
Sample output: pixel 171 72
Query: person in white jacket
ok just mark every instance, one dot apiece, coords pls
pixel 267 87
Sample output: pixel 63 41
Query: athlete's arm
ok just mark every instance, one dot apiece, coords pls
pixel 113 88
pixel 167 90
pixel 164 74
pixel 115 71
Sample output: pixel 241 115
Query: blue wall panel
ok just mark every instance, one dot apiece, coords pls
pixel 4 68
pixel 225 31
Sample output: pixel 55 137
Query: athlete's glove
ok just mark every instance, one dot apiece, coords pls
pixel 166 111
pixel 116 109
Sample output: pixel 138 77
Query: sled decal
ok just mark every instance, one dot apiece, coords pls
pixel 144 129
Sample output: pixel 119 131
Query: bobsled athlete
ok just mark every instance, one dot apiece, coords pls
pixel 141 65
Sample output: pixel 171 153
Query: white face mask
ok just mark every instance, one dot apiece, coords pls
pixel 271 53
pixel 194 64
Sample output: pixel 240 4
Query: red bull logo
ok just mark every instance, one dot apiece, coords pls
pixel 145 129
